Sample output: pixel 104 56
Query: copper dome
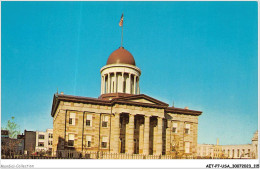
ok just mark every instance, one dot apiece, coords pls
pixel 121 55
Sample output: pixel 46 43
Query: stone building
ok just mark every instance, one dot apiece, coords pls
pixel 242 151
pixel 121 121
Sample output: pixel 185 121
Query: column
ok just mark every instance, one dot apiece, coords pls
pixel 129 83
pixel 104 83
pixel 116 88
pixel 141 138
pixel 168 137
pixel 101 85
pixel 122 82
pixel 138 87
pixel 116 133
pixel 146 135
pixel 134 92
pixel 159 136
pixel 108 83
pixel 130 135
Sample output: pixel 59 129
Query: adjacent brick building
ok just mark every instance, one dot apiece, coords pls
pixel 121 120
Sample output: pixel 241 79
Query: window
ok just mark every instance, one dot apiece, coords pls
pixel 228 152
pixel 89 120
pixel 174 127
pixel 88 140
pixel 243 152
pixel 71 140
pixel 50 135
pixel 41 144
pixel 104 142
pixel 49 142
pixel 248 152
pixel 104 121
pixel 41 136
pixel 187 147
pixel 238 154
pixel 187 129
pixel 72 118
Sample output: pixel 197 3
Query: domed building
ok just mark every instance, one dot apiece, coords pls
pixel 122 123
pixel 120 76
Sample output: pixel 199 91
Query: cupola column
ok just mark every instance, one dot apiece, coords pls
pixel 123 83
pixel 116 86
pixel 138 88
pixel 108 83
pixel 134 92
pixel 102 85
pixel 129 83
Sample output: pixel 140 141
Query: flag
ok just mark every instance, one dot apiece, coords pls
pixel 121 20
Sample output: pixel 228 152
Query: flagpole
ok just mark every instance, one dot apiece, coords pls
pixel 122 36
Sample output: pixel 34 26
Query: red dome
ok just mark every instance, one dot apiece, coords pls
pixel 121 56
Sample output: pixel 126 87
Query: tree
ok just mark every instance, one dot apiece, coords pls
pixel 177 152
pixel 12 127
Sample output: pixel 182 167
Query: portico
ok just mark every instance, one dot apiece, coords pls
pixel 134 136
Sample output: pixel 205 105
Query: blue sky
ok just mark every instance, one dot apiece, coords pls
pixel 198 54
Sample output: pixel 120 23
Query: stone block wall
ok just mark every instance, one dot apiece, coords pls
pixel 161 138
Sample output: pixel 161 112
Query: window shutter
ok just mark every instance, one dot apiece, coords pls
pixel 104 139
pixel 88 138
pixel 89 116
pixel 71 136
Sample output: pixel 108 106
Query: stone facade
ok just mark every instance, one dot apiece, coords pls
pixel 122 125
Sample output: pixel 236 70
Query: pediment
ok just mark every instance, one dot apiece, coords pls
pixel 142 99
